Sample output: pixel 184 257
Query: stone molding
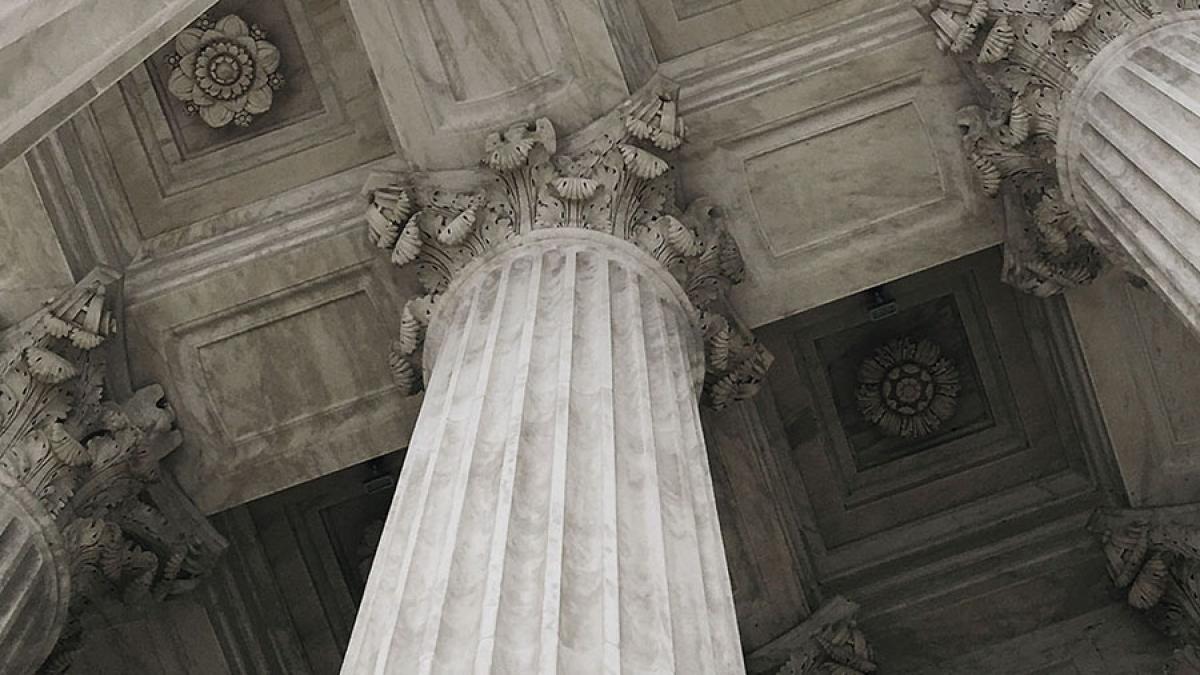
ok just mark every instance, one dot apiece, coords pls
pixel 92 467
pixel 1026 56
pixel 609 178
pixel 1155 554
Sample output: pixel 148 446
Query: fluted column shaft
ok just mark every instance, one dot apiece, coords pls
pixel 555 513
pixel 1129 153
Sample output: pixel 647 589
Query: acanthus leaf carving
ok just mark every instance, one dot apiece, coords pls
pixel 829 641
pixel 93 463
pixel 1025 56
pixel 1154 558
pixel 610 177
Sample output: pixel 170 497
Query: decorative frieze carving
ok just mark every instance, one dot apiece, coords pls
pixel 92 463
pixel 225 71
pixel 1155 555
pixel 1026 55
pixel 610 177
pixel 907 388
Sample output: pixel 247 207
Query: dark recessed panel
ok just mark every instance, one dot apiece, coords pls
pixel 936 322
pixel 920 415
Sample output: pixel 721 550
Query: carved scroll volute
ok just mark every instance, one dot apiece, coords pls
pixel 96 502
pixel 1154 560
pixel 610 177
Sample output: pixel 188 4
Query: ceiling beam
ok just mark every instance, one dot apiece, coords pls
pixel 58 55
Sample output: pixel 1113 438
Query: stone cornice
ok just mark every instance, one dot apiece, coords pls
pixel 610 177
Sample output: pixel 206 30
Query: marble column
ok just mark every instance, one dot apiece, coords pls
pixel 450 72
pixel 1088 123
pixel 1129 153
pixel 555 513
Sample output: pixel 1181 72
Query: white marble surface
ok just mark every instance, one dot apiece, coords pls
pixel 831 146
pixel 20 17
pixel 1129 154
pixel 57 58
pixel 452 72
pixel 32 266
pixel 556 512
pixel 35 579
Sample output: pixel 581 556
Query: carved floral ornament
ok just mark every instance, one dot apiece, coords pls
pixel 840 648
pixel 1026 55
pixel 226 71
pixel 907 388
pixel 1157 559
pixel 612 179
pixel 92 465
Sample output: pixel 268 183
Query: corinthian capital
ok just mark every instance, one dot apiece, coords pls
pixel 612 177
pixel 1025 56
pixel 95 521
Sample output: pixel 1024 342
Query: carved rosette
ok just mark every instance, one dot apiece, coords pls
pixel 1026 55
pixel 90 468
pixel 1155 555
pixel 225 71
pixel 907 388
pixel 611 177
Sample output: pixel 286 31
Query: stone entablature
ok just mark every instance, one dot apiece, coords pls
pixel 1154 558
pixel 1029 58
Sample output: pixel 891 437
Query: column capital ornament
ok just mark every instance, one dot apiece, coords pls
pixel 839 647
pixel 1026 56
pixel 827 641
pixel 611 177
pixel 95 520
pixel 1155 555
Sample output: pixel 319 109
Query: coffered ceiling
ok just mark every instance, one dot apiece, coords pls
pixel 929 450
pixel 823 132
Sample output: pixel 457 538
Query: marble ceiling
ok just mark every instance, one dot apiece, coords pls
pixel 824 131
pixel 243 242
